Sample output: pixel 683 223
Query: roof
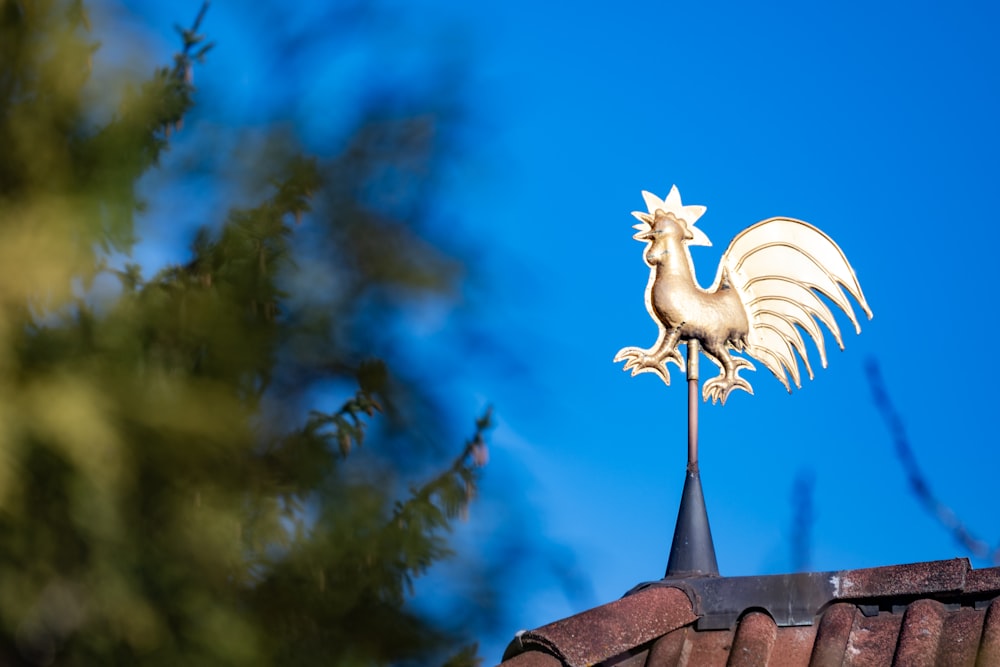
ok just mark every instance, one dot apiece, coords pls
pixel 937 613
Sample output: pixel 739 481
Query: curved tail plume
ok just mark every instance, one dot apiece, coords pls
pixel 779 267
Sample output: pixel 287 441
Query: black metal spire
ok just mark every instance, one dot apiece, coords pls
pixel 692 553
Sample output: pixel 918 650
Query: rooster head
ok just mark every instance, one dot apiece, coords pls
pixel 667 216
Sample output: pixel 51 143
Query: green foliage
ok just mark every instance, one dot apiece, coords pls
pixel 172 488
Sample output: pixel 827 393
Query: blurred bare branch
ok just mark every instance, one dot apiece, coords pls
pixel 803 520
pixel 919 483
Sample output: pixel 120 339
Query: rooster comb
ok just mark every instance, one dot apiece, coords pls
pixel 688 215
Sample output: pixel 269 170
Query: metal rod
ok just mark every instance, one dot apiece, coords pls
pixel 692 378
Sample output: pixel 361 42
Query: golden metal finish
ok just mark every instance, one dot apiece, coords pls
pixel 765 291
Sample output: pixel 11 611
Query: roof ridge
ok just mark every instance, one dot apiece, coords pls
pixel 663 617
pixel 797 598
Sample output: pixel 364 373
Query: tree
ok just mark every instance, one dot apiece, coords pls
pixel 175 487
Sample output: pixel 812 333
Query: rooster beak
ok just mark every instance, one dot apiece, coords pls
pixel 644 233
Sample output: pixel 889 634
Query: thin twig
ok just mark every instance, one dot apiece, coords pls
pixel 918 481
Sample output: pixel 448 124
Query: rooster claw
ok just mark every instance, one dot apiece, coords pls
pixel 639 360
pixel 719 388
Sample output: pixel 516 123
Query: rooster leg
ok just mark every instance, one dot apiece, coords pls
pixel 655 359
pixel 718 388
pixel 666 349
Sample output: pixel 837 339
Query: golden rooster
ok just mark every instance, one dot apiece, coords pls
pixel 765 290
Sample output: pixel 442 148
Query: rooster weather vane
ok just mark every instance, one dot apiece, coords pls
pixel 765 289
pixel 766 293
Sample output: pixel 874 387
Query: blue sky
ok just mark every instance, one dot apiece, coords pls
pixel 877 122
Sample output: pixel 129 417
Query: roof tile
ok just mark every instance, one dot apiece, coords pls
pixel 754 641
pixel 873 640
pixel 833 635
pixel 598 634
pixel 533 659
pixel 989 644
pixel 667 650
pixel 960 638
pixel 915 579
pixel 977 581
pixel 920 635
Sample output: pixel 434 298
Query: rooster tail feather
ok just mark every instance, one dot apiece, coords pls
pixel 795 296
pixel 793 339
pixel 797 315
pixel 774 365
pixel 780 267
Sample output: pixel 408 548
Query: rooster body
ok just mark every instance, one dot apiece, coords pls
pixel 765 290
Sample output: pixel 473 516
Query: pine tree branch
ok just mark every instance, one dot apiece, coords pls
pixel 473 456
pixel 415 525
pixel 345 426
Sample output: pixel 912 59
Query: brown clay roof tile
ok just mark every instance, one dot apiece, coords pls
pixel 600 633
